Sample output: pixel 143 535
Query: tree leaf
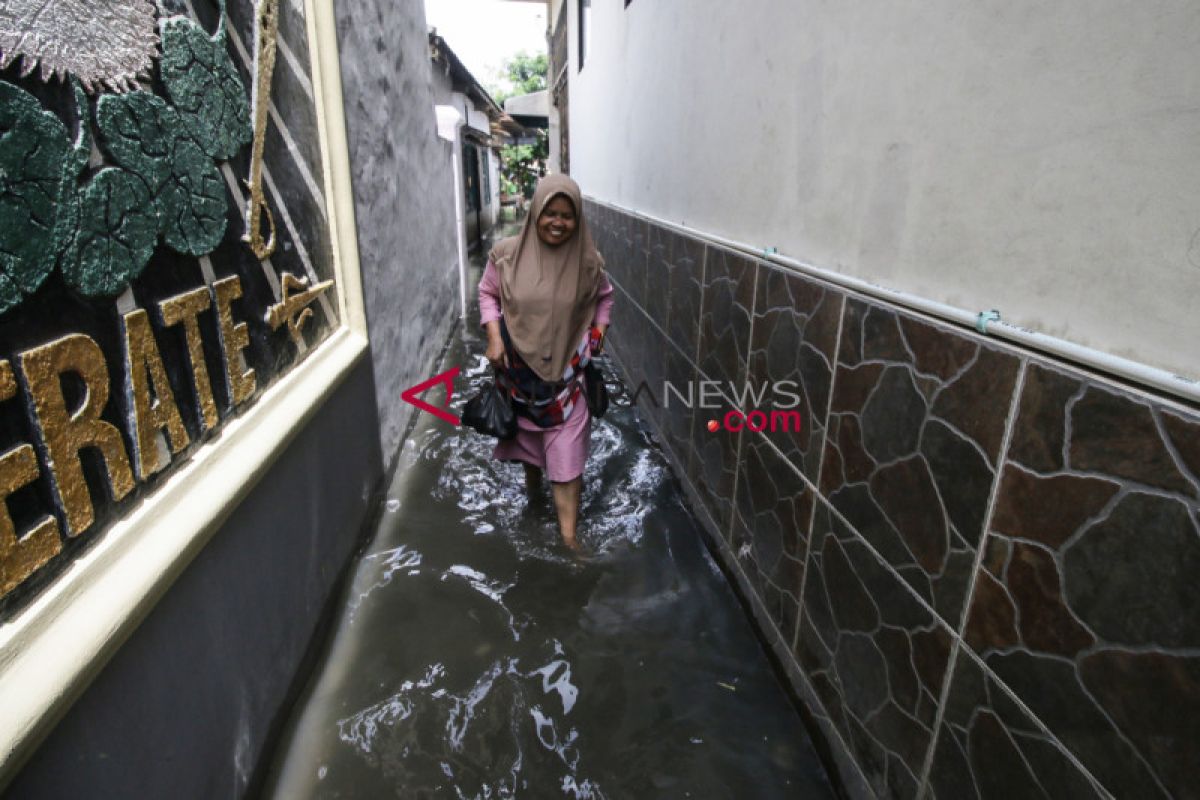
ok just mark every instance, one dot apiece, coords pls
pixel 204 85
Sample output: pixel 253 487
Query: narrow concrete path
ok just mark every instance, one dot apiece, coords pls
pixel 475 657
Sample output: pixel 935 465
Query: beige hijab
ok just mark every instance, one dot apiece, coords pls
pixel 548 294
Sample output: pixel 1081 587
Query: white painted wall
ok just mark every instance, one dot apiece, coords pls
pixel 1038 158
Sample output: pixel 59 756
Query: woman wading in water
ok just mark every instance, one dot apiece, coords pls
pixel 546 303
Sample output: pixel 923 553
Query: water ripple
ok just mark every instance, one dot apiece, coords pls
pixel 397 559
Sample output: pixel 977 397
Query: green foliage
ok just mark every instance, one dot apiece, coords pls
pixel 192 207
pixel 521 165
pixel 203 84
pixel 524 74
pixel 139 131
pixel 528 73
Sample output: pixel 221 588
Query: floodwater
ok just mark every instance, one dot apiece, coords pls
pixel 476 657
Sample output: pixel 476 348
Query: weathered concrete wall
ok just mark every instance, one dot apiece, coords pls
pixel 1040 159
pixel 404 199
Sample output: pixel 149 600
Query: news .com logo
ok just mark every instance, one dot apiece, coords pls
pixel 706 395
pixel 703 395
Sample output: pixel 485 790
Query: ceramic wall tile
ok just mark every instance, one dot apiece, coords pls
pixel 657 295
pixel 686 287
pixel 675 419
pixel 712 471
pixel 989 748
pixel 875 654
pixel 770 529
pixel 1087 604
pixel 914 433
pixel 793 351
pixel 725 317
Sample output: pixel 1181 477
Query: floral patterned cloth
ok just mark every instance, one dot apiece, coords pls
pixel 544 403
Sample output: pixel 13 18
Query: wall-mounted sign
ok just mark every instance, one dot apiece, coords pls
pixel 141 304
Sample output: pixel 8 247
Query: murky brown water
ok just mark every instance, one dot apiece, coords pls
pixel 475 657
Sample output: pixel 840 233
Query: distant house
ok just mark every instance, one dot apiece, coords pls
pixel 534 112
pixel 480 129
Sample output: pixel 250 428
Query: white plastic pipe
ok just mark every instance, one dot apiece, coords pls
pixel 449 123
pixel 1143 374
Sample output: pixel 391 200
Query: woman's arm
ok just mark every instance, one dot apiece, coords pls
pixel 604 305
pixel 489 315
pixel 489 297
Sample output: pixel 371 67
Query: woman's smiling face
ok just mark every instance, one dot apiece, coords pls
pixel 557 221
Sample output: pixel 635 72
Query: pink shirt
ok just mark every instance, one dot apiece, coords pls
pixel 489 298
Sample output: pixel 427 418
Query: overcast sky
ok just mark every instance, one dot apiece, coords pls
pixel 483 33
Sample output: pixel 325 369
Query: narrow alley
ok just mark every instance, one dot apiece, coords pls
pixel 897 496
pixel 469 632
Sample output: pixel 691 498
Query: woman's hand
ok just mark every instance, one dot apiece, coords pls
pixel 495 350
pixel 598 342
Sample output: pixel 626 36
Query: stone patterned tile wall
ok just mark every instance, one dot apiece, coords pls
pixel 979 568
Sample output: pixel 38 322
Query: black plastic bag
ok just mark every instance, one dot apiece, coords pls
pixel 595 391
pixel 491 413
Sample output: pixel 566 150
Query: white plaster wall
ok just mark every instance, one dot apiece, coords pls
pixel 1039 158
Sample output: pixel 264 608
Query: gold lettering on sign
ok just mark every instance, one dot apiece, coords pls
pixel 234 339
pixel 293 307
pixel 186 308
pixel 65 433
pixel 151 414
pixel 20 557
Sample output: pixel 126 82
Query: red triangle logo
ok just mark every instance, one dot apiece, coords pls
pixel 447 378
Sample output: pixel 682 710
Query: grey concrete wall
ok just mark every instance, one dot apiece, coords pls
pixel 184 708
pixel 404 201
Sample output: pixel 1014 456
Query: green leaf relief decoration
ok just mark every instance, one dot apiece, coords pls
pixel 138 130
pixel 117 232
pixel 148 137
pixel 203 83
pixel 163 181
pixel 38 204
pixel 192 207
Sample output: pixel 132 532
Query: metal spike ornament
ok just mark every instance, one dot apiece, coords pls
pixel 103 43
